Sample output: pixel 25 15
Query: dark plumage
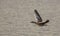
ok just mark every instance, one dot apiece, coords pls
pixel 39 19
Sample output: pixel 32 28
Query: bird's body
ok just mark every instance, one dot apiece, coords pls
pixel 39 19
pixel 40 23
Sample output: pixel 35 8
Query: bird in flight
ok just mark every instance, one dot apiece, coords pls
pixel 39 19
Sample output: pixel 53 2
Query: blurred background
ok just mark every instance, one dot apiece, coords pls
pixel 16 15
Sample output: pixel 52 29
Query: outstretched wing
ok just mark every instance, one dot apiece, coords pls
pixel 38 17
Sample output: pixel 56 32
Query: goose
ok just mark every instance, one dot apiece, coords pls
pixel 39 19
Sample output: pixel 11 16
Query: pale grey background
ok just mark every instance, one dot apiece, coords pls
pixel 15 17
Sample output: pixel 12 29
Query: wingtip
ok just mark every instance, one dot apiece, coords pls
pixel 35 10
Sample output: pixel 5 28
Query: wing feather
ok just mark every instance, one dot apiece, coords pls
pixel 38 17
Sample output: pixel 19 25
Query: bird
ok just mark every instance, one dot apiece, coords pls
pixel 39 19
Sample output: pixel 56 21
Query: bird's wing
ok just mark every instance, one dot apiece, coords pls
pixel 38 17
